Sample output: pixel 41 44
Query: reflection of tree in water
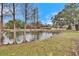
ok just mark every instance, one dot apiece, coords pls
pixel 10 34
pixel 36 35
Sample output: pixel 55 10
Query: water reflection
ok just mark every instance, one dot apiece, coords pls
pixel 8 38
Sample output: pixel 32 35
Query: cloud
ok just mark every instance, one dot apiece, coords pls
pixel 6 11
pixel 48 18
pixel 55 13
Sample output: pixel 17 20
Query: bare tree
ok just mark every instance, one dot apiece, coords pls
pixel 1 24
pixel 35 16
pixel 26 14
pixel 14 23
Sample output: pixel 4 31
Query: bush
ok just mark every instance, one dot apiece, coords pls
pixel 76 27
pixel 69 27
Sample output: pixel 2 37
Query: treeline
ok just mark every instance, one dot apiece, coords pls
pixel 67 18
pixel 26 12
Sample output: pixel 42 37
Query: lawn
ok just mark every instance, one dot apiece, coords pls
pixel 61 44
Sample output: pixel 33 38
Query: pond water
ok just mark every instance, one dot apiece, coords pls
pixel 28 37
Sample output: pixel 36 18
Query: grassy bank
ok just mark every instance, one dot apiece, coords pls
pixel 61 44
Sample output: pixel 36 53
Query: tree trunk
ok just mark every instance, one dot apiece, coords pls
pixel 1 24
pixel 14 23
pixel 26 4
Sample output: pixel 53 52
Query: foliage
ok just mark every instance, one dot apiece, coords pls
pixel 18 23
pixel 69 27
pixel 69 15
pixel 77 27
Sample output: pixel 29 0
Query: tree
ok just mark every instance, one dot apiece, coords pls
pixel 14 23
pixel 70 14
pixel 1 24
pixel 5 11
pixel 10 25
pixel 58 20
pixel 19 24
pixel 35 17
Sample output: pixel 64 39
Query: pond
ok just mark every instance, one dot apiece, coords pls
pixel 28 37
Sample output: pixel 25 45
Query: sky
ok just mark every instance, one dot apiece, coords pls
pixel 46 11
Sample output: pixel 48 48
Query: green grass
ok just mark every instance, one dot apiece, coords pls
pixel 61 44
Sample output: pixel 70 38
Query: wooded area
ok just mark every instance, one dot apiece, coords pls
pixel 28 11
pixel 67 18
